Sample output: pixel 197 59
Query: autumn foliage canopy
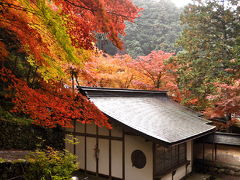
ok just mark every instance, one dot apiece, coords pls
pixel 40 39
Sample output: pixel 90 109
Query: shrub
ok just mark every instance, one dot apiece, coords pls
pixel 50 164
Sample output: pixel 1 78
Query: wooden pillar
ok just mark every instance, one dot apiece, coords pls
pixel 213 143
pixel 215 152
pixel 123 154
pixel 97 151
pixel 154 159
pixel 110 154
pixel 74 136
pixel 203 149
pixel 85 148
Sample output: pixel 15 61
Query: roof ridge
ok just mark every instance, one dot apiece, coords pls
pixel 120 91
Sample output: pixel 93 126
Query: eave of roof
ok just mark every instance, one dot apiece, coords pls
pixel 222 138
pixel 150 114
pixel 116 92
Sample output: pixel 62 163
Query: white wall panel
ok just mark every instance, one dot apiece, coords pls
pixel 180 173
pixel 91 159
pixel 103 131
pixel 80 148
pixel 117 159
pixel 91 128
pixel 104 156
pixel 116 131
pixel 133 143
pixel 80 127
pixel 68 145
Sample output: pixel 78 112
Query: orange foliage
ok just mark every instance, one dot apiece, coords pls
pixel 108 71
pixel 121 71
pixel 103 16
pixel 54 34
pixel 3 51
pixel 226 101
pixel 51 105
pixel 156 73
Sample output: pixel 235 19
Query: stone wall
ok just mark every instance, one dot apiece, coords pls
pixel 217 167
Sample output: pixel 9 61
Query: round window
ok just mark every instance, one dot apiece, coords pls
pixel 138 159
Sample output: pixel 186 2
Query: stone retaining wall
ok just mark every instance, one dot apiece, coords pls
pixel 217 168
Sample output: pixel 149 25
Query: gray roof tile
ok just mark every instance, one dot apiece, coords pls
pixel 153 114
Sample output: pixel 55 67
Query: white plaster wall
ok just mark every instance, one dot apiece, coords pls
pixel 117 159
pixel 91 128
pixel 103 156
pixel 91 159
pixel 133 143
pixel 180 173
pixel 80 152
pixel 116 131
pixel 167 177
pixel 68 145
pixel 103 131
pixel 80 127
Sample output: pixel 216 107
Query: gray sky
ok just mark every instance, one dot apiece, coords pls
pixel 181 3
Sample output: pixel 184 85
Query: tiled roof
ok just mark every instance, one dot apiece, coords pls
pixel 150 112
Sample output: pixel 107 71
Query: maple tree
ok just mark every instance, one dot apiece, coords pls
pixel 40 39
pixel 226 101
pixel 50 105
pixel 109 71
pixel 122 71
pixel 153 67
pixel 157 73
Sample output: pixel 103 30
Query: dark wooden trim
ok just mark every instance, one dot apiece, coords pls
pixel 215 152
pixel 187 167
pixel 110 154
pixel 123 154
pixel 185 151
pixel 178 149
pixel 97 152
pixel 213 149
pixel 154 159
pixel 220 138
pixel 94 135
pixel 85 147
pixel 74 137
pixel 212 152
pixel 203 153
pixel 174 166
pixel 173 173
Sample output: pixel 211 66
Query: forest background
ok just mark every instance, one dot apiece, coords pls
pixel 49 46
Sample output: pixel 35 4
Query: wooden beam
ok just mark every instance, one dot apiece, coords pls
pixel 123 154
pixel 94 135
